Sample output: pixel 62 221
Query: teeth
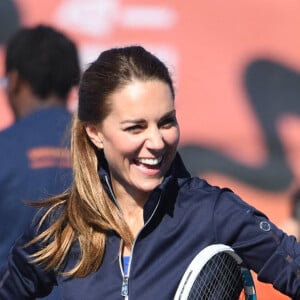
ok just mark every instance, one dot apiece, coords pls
pixel 150 161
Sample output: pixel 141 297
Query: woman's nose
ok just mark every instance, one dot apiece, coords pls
pixel 155 139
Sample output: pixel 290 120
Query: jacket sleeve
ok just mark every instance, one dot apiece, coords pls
pixel 265 249
pixel 20 279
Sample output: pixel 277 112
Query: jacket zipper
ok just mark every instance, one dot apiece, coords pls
pixel 124 291
pixel 125 278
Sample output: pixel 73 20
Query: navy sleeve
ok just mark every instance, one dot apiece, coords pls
pixel 20 278
pixel 266 249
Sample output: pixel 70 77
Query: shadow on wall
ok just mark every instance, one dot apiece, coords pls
pixel 273 90
pixel 9 20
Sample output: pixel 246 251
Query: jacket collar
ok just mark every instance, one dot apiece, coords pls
pixel 176 172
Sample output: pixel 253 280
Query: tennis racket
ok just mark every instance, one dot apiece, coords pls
pixel 216 273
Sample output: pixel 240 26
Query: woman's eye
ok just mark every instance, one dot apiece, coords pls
pixel 169 122
pixel 134 128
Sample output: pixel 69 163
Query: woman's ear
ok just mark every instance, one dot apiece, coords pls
pixel 95 135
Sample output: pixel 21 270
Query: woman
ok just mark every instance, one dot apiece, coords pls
pixel 133 200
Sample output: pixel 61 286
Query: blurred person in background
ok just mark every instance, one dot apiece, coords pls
pixel 41 69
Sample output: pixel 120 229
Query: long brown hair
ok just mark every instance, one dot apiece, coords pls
pixel 87 212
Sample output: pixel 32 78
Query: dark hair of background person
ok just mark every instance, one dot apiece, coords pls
pixel 44 73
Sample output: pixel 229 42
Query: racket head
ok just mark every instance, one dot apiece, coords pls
pixel 216 273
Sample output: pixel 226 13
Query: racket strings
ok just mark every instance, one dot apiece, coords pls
pixel 220 279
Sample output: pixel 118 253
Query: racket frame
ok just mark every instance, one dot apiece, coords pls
pixel 198 263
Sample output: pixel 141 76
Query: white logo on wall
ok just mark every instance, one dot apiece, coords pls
pixel 98 19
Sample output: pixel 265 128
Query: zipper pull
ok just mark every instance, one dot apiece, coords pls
pixel 124 291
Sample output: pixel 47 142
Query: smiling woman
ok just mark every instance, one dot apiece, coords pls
pixel 133 199
pixel 139 145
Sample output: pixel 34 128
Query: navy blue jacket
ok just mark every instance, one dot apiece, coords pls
pixel 34 166
pixel 182 216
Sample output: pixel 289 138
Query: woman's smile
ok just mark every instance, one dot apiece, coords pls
pixel 149 166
